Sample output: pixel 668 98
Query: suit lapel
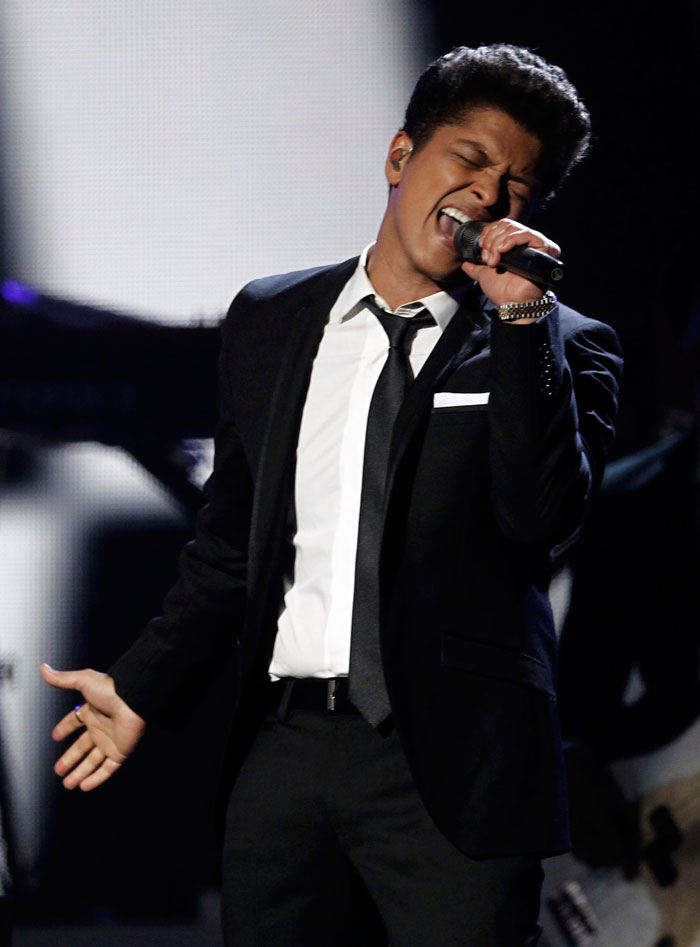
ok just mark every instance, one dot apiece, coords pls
pixel 466 333
pixel 276 466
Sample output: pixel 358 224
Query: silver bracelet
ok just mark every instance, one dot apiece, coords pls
pixel 528 310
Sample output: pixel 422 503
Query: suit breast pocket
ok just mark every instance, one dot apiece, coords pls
pixel 454 414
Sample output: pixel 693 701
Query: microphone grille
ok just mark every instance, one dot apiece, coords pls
pixel 466 240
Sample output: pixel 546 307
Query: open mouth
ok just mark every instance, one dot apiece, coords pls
pixel 449 219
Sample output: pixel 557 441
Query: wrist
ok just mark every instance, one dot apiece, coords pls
pixel 530 309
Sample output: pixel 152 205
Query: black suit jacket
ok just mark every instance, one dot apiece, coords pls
pixel 478 497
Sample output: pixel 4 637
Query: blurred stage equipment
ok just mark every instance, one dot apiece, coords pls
pixel 72 372
pixel 87 558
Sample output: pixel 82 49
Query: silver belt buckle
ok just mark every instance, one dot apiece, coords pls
pixel 330 698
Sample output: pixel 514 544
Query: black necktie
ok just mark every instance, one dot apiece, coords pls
pixel 367 689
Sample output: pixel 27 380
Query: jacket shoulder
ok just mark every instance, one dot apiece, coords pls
pixel 261 316
pixel 281 288
pixel 573 324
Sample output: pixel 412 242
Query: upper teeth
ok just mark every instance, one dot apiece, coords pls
pixel 455 214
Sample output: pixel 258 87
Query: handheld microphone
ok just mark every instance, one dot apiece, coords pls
pixel 533 264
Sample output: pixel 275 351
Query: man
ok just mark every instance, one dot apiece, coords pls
pixel 381 570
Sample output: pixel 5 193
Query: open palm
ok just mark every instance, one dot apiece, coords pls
pixel 109 728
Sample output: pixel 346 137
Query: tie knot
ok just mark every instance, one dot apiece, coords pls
pixel 398 328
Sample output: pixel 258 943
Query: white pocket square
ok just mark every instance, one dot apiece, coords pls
pixel 457 399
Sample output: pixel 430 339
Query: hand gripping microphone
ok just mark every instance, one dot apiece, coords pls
pixel 533 264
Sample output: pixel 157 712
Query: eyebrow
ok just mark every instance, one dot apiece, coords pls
pixel 529 181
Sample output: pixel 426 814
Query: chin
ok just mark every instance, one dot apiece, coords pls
pixel 449 270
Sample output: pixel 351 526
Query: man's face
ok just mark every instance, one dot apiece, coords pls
pixel 480 169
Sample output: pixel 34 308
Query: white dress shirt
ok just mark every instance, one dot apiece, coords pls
pixel 313 635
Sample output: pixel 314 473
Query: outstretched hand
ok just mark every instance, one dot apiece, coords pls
pixel 111 728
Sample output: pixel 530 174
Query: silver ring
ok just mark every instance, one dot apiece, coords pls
pixel 76 711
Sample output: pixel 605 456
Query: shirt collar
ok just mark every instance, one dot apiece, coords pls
pixel 441 305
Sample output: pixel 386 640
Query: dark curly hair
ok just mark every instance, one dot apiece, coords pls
pixel 534 92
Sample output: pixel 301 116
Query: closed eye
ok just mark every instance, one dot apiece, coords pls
pixel 470 162
pixel 522 197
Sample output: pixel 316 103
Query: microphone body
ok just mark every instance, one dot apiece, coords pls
pixel 533 264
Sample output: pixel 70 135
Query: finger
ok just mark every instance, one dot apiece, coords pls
pixel 75 752
pixel 491 241
pixel 500 236
pixel 496 229
pixel 70 723
pixel 528 238
pixel 90 763
pixel 101 775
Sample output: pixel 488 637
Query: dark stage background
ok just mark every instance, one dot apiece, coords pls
pixel 626 216
pixel 143 849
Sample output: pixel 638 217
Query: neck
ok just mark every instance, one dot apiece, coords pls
pixel 393 279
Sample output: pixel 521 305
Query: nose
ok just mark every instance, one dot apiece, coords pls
pixel 491 190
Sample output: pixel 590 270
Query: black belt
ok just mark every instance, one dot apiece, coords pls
pixel 326 695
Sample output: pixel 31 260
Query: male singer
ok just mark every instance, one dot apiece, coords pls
pixel 404 439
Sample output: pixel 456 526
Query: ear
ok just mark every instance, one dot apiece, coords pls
pixel 399 150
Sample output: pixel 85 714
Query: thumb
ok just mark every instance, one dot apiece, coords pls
pixel 70 680
pixel 474 270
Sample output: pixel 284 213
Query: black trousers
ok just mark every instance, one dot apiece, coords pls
pixel 328 843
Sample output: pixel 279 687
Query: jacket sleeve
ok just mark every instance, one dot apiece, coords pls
pixel 554 390
pixel 170 664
